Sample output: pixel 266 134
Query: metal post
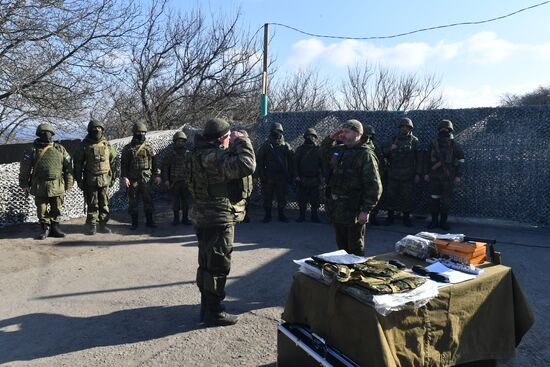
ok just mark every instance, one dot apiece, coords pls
pixel 263 101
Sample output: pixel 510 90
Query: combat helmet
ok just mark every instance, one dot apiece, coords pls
pixel 368 130
pixel 139 126
pixel 445 124
pixel 95 123
pixel 179 135
pixel 277 127
pixel 310 131
pixel 44 127
pixel 214 128
pixel 405 121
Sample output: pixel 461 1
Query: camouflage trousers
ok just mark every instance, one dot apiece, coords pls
pixel 400 195
pixel 97 202
pixel 277 189
pixel 215 248
pixel 350 237
pixel 181 196
pixel 441 193
pixel 53 213
pixel 309 194
pixel 139 190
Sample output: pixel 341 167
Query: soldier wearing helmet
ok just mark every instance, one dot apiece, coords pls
pixel 175 171
pixel 369 136
pixel 275 160
pixel 138 166
pixel 308 175
pixel 403 156
pixel 353 183
pixel 95 172
pixel 46 171
pixel 445 164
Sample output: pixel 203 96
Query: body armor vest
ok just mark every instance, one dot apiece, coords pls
pixel 48 165
pixel 97 158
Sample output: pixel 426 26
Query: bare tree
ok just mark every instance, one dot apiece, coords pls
pixel 539 96
pixel 371 87
pixel 301 91
pixel 54 55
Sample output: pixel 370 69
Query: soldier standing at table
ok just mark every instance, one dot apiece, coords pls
pixel 354 183
pixel 221 181
pixel 94 170
pixel 308 175
pixel 46 172
pixel 137 166
pixel 404 159
pixel 444 170
pixel 369 134
pixel 276 171
pixel 175 171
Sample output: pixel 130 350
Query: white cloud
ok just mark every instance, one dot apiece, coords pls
pixel 484 95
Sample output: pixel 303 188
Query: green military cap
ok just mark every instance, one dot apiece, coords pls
pixel 354 125
pixel 179 135
pixel 215 128
pixel 95 123
pixel 276 127
pixel 445 124
pixel 310 131
pixel 44 127
pixel 369 130
pixel 405 121
pixel 139 126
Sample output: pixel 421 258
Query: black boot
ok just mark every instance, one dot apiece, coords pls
pixel 267 217
pixel 216 316
pixel 55 231
pixel 92 229
pixel 315 216
pixel 282 216
pixel 149 222
pixel 434 223
pixel 104 229
pixel 135 222
pixel 176 219
pixel 443 222
pixel 185 217
pixel 389 219
pixel 407 219
pixel 45 231
pixel 302 215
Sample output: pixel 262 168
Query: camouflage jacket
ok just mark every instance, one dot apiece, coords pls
pixel 138 162
pixel 47 169
pixel 275 161
pixel 176 165
pixel 94 163
pixel 353 180
pixel 445 159
pixel 220 181
pixel 308 164
pixel 405 161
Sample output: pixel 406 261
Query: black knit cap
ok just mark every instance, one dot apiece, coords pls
pixel 215 128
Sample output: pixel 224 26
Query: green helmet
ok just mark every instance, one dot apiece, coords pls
pixel 310 131
pixel 445 124
pixel 369 130
pixel 354 125
pixel 405 121
pixel 179 135
pixel 139 126
pixel 215 128
pixel 44 127
pixel 95 123
pixel 277 127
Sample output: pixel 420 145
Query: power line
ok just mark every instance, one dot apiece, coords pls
pixel 411 32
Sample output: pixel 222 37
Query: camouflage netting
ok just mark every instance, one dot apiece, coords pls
pixel 507 171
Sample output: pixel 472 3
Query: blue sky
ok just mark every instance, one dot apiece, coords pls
pixel 477 63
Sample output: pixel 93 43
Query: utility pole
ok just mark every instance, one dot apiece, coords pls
pixel 263 101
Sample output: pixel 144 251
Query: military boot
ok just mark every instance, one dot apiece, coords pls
pixel 434 223
pixel 315 216
pixel 302 215
pixel 55 231
pixel 216 316
pixel 443 222
pixel 104 229
pixel 185 218
pixel 45 231
pixel 135 222
pixel 267 217
pixel 149 222
pixel 389 219
pixel 92 229
pixel 176 219
pixel 282 216
pixel 407 219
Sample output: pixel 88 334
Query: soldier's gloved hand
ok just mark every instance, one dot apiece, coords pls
pixel 157 180
pixel 457 180
pixel 68 188
pixel 427 178
pixel 125 182
pixel 363 217
pixel 393 147
pixel 167 184
pixel 336 135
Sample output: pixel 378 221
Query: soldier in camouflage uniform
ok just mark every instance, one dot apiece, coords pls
pixel 221 181
pixel 95 172
pixel 175 170
pixel 444 170
pixel 369 134
pixel 404 159
pixel 308 175
pixel 46 172
pixel 276 171
pixel 137 166
pixel 354 183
